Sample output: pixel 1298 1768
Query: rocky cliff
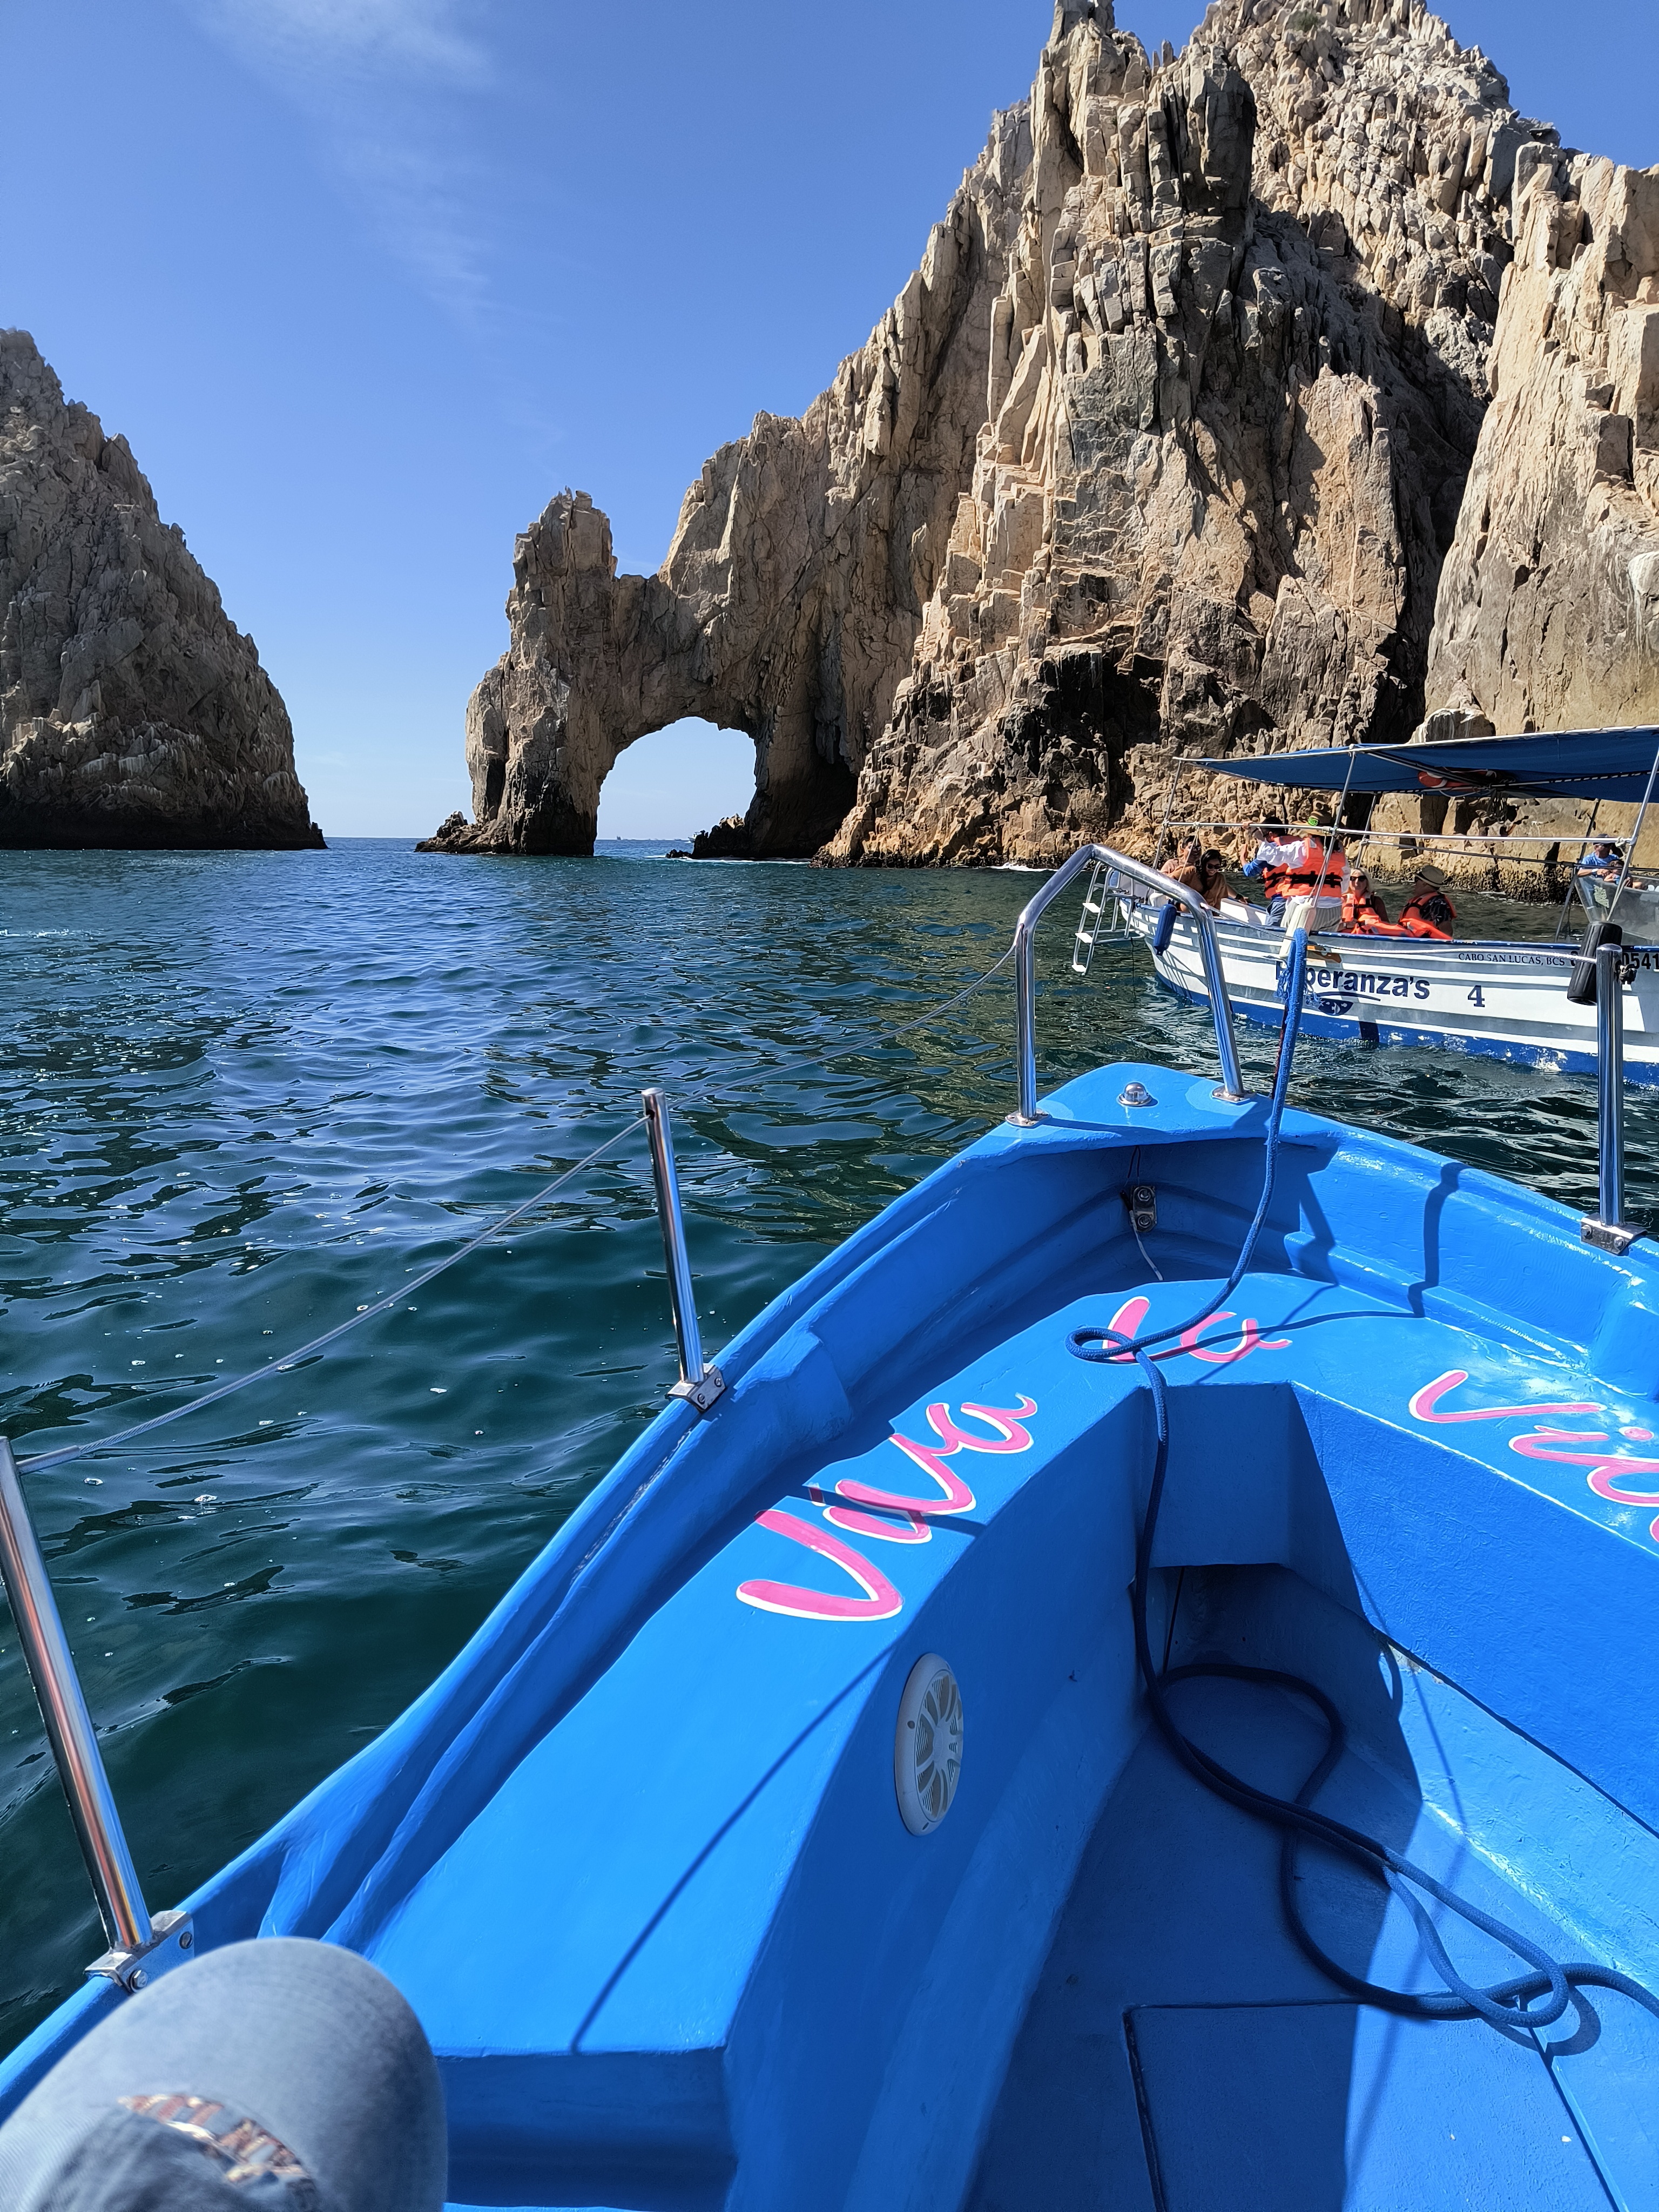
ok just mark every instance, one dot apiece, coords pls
pixel 1548 611
pixel 1547 616
pixel 1163 448
pixel 132 711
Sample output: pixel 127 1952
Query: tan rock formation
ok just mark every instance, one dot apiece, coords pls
pixel 1234 429
pixel 791 595
pixel 132 711
pixel 1548 611
pixel 1162 448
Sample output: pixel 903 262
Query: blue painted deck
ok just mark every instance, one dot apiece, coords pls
pixel 1191 2038
pixel 636 1857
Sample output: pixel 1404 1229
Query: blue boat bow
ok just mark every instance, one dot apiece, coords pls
pixel 639 1856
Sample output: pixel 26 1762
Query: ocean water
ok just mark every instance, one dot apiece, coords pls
pixel 246 1094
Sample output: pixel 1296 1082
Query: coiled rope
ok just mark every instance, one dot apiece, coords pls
pixel 1508 2005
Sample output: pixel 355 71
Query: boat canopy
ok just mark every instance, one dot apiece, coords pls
pixel 1610 764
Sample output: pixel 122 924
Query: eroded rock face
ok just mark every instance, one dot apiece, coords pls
pixel 1161 450
pixel 132 711
pixel 791 596
pixel 1547 616
pixel 1237 380
pixel 1549 611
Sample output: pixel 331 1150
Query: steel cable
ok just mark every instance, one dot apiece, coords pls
pixel 330 1336
pixel 34 1461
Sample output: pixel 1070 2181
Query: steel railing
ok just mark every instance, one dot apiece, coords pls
pixel 699 1382
pixel 143 1945
pixel 1607 1228
pixel 1162 886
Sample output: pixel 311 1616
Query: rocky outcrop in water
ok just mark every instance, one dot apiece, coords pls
pixel 786 607
pixel 1237 396
pixel 1161 450
pixel 132 711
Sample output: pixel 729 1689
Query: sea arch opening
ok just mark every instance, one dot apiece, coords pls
pixel 666 787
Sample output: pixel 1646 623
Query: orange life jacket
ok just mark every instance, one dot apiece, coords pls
pixel 1301 883
pixel 1415 923
pixel 1273 878
pixel 1361 918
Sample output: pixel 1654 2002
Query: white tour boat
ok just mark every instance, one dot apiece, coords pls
pixel 1510 997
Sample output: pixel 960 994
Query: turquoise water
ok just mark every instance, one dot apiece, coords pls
pixel 245 1094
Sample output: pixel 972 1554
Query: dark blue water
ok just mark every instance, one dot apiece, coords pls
pixel 245 1094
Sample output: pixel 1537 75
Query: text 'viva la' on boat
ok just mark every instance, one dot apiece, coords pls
pixel 1129 1684
pixel 1514 998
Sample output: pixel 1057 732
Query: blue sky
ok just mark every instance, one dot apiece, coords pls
pixel 364 282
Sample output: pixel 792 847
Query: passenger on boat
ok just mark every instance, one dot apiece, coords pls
pixel 1213 879
pixel 1191 871
pixel 1270 862
pixel 1363 912
pixel 1428 912
pixel 1320 871
pixel 1298 868
pixel 1603 859
pixel 1313 889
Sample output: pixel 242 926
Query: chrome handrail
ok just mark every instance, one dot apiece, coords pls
pixel 1025 968
pixel 140 1947
pixel 699 1382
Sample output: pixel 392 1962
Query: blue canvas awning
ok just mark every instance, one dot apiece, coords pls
pixel 1610 764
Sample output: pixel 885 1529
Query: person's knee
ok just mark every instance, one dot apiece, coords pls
pixel 277 2074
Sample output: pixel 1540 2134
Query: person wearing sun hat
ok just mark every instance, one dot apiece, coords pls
pixel 281 2076
pixel 1428 912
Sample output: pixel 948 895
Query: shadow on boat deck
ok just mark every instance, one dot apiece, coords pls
pixel 1181 2053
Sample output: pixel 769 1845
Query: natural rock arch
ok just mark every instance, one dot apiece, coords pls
pixel 1160 450
pixel 680 775
pixel 790 599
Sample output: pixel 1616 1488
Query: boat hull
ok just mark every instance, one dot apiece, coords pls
pixel 638 1858
pixel 1504 998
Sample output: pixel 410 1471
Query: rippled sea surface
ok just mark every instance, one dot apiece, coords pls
pixel 246 1094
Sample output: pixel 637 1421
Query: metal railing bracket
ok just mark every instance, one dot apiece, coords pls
pixel 700 1394
pixel 171 1943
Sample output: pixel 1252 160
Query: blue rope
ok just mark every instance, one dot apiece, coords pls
pixel 1508 2005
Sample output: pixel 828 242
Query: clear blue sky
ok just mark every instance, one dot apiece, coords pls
pixel 365 281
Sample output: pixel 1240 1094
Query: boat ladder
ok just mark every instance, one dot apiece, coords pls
pixel 1099 893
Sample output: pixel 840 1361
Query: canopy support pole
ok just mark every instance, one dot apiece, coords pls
pixel 1325 843
pixel 1630 849
pixel 1169 811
